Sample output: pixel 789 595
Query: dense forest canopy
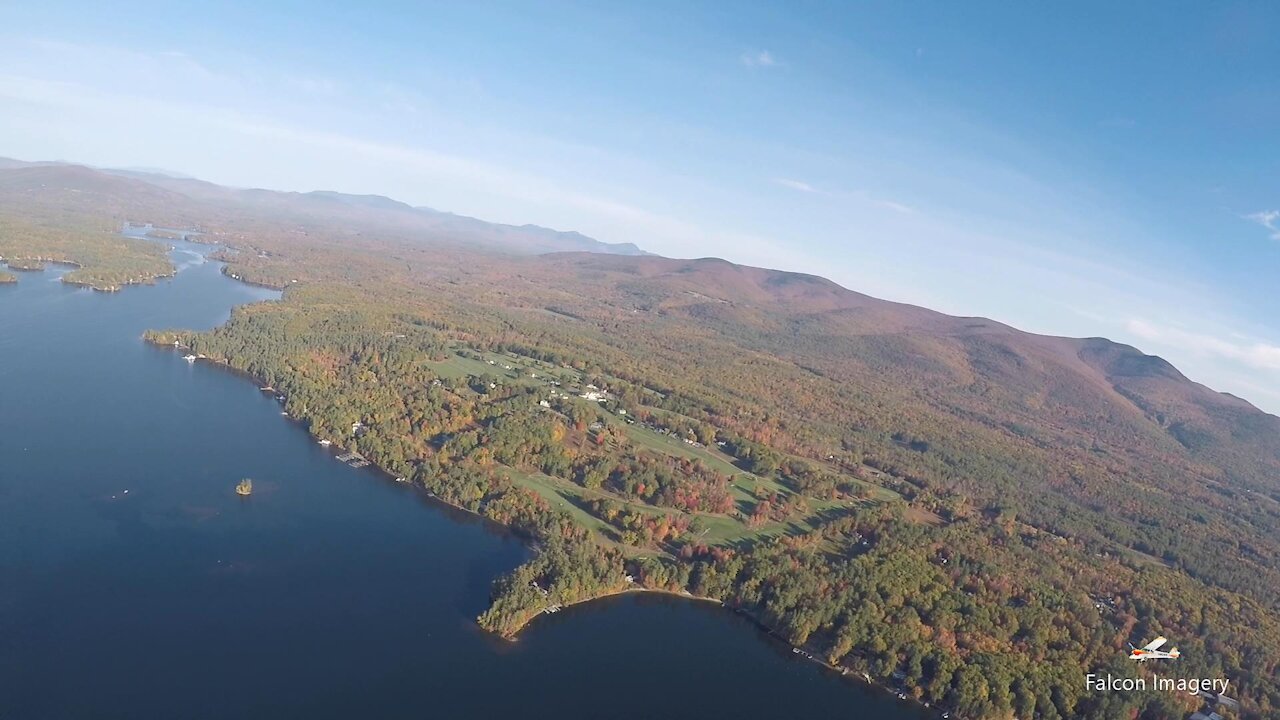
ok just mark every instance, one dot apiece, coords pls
pixel 104 260
pixel 976 514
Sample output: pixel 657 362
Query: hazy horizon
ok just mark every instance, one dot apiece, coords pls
pixel 1114 181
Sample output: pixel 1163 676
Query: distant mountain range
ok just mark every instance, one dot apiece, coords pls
pixel 374 210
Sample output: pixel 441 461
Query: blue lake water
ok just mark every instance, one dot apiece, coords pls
pixel 134 583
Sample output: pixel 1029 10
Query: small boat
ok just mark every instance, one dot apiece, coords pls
pixel 325 443
pixel 189 358
pixel 244 487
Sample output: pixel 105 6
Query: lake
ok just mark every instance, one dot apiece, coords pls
pixel 135 583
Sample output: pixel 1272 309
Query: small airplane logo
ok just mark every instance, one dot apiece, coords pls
pixel 1151 651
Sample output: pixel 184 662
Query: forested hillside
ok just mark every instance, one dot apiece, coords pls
pixel 106 260
pixel 974 513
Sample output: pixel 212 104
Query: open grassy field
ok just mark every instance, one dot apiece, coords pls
pixel 715 529
pixel 458 366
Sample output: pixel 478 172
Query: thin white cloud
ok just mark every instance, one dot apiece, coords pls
pixel 1269 219
pixel 761 59
pixel 1253 353
pixel 796 185
pixel 894 206
pixel 860 196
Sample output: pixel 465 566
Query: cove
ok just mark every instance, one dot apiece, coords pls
pixel 135 583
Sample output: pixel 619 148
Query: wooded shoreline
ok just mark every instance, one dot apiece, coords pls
pixel 945 588
pixel 531 542
pixel 41 264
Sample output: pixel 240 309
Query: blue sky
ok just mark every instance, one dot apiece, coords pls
pixel 1106 169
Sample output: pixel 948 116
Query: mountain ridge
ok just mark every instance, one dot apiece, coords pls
pixel 810 293
pixel 526 237
pixel 850 310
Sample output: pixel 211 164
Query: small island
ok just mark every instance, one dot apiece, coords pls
pixel 244 487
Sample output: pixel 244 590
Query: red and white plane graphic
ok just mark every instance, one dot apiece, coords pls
pixel 1151 651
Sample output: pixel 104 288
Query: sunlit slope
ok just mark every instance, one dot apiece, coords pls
pixel 897 489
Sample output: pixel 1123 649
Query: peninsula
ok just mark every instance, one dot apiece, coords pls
pixel 941 504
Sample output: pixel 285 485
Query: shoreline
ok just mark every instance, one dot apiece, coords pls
pixel 640 589
pixel 226 267
pixel 841 670
pixel 633 590
pixel 42 264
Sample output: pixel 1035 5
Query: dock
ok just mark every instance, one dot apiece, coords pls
pixel 354 459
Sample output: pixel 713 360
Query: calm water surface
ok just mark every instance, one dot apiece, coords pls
pixel 134 583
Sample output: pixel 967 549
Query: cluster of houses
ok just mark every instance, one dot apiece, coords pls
pixel 592 393
pixel 552 398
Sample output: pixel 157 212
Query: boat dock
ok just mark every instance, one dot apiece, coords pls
pixel 354 459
